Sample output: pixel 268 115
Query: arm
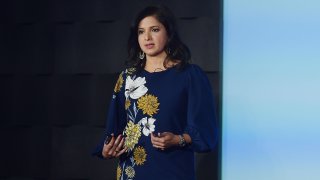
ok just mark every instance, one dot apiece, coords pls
pixel 115 121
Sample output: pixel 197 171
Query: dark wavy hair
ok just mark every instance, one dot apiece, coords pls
pixel 176 50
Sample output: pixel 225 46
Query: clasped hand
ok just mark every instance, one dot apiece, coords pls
pixel 164 140
pixel 114 148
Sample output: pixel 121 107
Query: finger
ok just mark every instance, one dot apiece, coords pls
pixel 157 135
pixel 114 154
pixel 112 149
pixel 160 140
pixel 116 143
pixel 152 136
pixel 110 144
pixel 121 143
pixel 158 145
pixel 166 134
pixel 121 152
pixel 106 148
pixel 156 139
pixel 120 146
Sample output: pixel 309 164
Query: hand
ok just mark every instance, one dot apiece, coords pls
pixel 164 140
pixel 114 148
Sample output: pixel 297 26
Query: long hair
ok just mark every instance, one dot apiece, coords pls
pixel 176 50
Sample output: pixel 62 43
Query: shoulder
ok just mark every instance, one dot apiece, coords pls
pixel 196 76
pixel 122 77
pixel 194 70
pixel 130 71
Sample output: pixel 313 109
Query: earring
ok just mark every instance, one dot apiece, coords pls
pixel 169 51
pixel 141 55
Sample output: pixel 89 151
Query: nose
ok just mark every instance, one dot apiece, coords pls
pixel 147 36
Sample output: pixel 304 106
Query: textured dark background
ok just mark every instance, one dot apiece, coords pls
pixel 59 61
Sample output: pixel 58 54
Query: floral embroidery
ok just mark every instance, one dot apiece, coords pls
pixel 137 102
pixel 139 155
pixel 119 83
pixel 130 172
pixel 133 133
pixel 135 88
pixel 130 71
pixel 127 104
pixel 149 104
pixel 119 172
pixel 148 125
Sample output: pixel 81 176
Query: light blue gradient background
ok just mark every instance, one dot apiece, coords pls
pixel 271 90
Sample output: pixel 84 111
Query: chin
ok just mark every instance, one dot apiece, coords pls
pixel 152 54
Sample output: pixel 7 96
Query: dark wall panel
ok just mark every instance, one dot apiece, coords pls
pixel 6 64
pixel 21 11
pixel 71 148
pixel 214 78
pixel 59 62
pixel 72 99
pixel 81 99
pixel 84 10
pixel 7 97
pixel 31 103
pixel 102 94
pixel 65 48
pixel 26 151
pixel 101 47
pixel 202 41
pixel 32 48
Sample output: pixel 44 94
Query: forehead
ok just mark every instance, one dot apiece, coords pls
pixel 149 21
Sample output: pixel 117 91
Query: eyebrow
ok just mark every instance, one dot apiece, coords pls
pixel 150 27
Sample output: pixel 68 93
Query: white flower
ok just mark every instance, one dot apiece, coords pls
pixel 135 88
pixel 148 125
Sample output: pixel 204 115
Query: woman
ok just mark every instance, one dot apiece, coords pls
pixel 162 110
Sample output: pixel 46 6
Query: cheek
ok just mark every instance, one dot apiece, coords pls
pixel 163 40
pixel 140 41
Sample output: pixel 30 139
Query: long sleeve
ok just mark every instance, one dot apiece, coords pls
pixel 202 116
pixel 116 116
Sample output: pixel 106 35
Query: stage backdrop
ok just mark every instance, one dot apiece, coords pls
pixel 59 62
pixel 271 90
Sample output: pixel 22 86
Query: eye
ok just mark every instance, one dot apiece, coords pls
pixel 155 30
pixel 140 32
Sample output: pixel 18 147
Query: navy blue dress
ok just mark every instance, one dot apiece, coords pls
pixel 174 100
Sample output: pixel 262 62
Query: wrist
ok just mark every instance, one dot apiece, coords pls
pixel 176 140
pixel 182 141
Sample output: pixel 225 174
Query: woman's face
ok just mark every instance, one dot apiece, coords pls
pixel 152 36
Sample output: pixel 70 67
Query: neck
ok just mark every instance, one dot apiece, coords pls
pixel 155 62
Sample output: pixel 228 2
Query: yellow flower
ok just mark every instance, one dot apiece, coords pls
pixel 119 83
pixel 133 133
pixel 139 155
pixel 130 172
pixel 130 71
pixel 127 104
pixel 149 104
pixel 119 172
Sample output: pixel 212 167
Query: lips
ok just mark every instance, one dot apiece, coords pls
pixel 149 46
